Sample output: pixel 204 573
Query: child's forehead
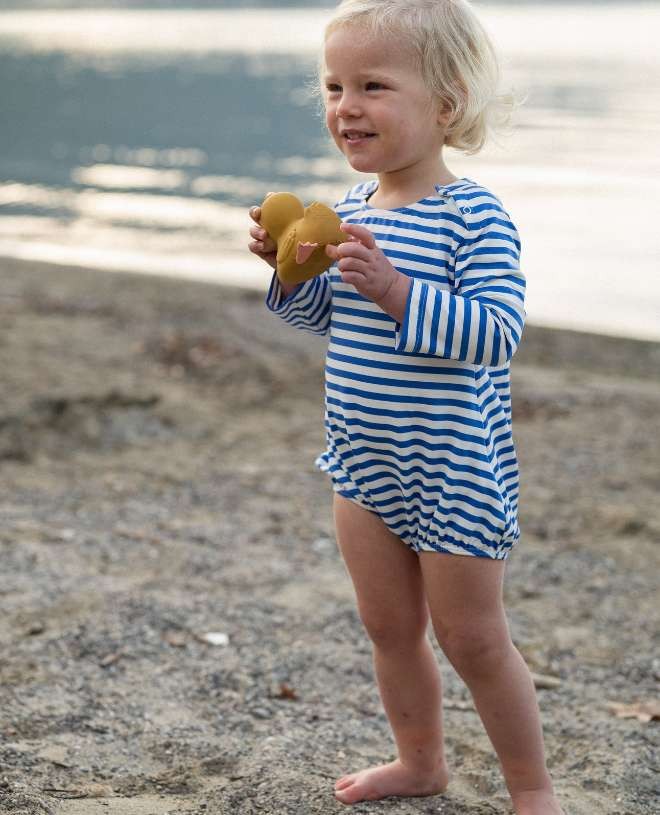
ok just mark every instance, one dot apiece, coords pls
pixel 364 53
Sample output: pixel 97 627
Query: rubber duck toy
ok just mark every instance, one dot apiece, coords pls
pixel 301 235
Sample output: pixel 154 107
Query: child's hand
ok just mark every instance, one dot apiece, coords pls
pixel 263 246
pixel 363 264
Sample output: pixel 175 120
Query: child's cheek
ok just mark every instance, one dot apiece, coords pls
pixel 331 122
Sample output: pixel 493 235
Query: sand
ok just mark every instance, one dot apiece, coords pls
pixel 157 440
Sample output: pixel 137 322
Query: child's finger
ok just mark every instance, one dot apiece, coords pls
pixel 360 233
pixel 266 247
pixel 255 213
pixel 266 244
pixel 352 249
pixel 352 276
pixel 354 264
pixel 256 247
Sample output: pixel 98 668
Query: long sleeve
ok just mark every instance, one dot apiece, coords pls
pixel 308 307
pixel 480 320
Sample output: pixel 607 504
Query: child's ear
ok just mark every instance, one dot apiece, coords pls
pixel 455 101
pixel 445 112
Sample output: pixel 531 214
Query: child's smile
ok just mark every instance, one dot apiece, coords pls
pixel 378 109
pixel 355 137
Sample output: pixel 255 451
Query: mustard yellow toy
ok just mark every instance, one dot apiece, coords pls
pixel 301 235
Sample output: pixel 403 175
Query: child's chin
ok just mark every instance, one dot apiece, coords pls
pixel 362 164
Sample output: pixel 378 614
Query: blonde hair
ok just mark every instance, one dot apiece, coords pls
pixel 455 56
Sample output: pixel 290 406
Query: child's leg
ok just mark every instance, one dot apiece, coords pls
pixel 465 598
pixel 392 606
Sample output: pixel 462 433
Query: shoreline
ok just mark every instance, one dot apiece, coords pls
pixel 157 440
pixel 608 352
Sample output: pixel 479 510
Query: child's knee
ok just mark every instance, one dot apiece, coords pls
pixel 388 631
pixel 474 651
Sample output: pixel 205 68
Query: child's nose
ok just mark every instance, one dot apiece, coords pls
pixel 348 105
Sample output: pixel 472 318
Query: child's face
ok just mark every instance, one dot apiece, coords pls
pixel 374 88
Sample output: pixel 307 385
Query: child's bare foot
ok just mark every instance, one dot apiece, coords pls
pixel 536 802
pixel 390 779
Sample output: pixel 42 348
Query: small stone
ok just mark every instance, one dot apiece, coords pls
pixel 214 638
pixel 458 704
pixel 655 668
pixel 545 681
pixel 60 535
pixel 175 638
pixel 110 659
pixel 322 544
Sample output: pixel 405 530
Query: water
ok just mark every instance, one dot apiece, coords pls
pixel 137 139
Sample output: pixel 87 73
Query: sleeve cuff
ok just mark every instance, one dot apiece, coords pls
pixel 406 339
pixel 275 299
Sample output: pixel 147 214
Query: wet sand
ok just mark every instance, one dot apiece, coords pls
pixel 157 440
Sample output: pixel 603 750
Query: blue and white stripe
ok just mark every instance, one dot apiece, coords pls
pixel 418 413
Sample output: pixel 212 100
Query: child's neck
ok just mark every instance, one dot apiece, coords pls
pixel 393 191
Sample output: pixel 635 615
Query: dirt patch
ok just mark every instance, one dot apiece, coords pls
pixel 157 441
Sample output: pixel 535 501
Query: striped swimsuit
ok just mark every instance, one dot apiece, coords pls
pixel 418 414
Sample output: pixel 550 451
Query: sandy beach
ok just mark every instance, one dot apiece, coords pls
pixel 178 631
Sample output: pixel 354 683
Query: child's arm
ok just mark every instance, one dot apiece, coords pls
pixel 479 322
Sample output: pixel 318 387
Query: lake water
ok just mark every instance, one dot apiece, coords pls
pixel 137 139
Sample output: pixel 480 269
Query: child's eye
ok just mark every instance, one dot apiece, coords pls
pixel 374 84
pixel 333 88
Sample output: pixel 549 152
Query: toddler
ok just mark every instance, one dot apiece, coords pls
pixel 424 307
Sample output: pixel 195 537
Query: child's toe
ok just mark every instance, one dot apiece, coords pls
pixel 350 794
pixel 344 782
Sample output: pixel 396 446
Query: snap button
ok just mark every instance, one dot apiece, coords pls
pixel 466 210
